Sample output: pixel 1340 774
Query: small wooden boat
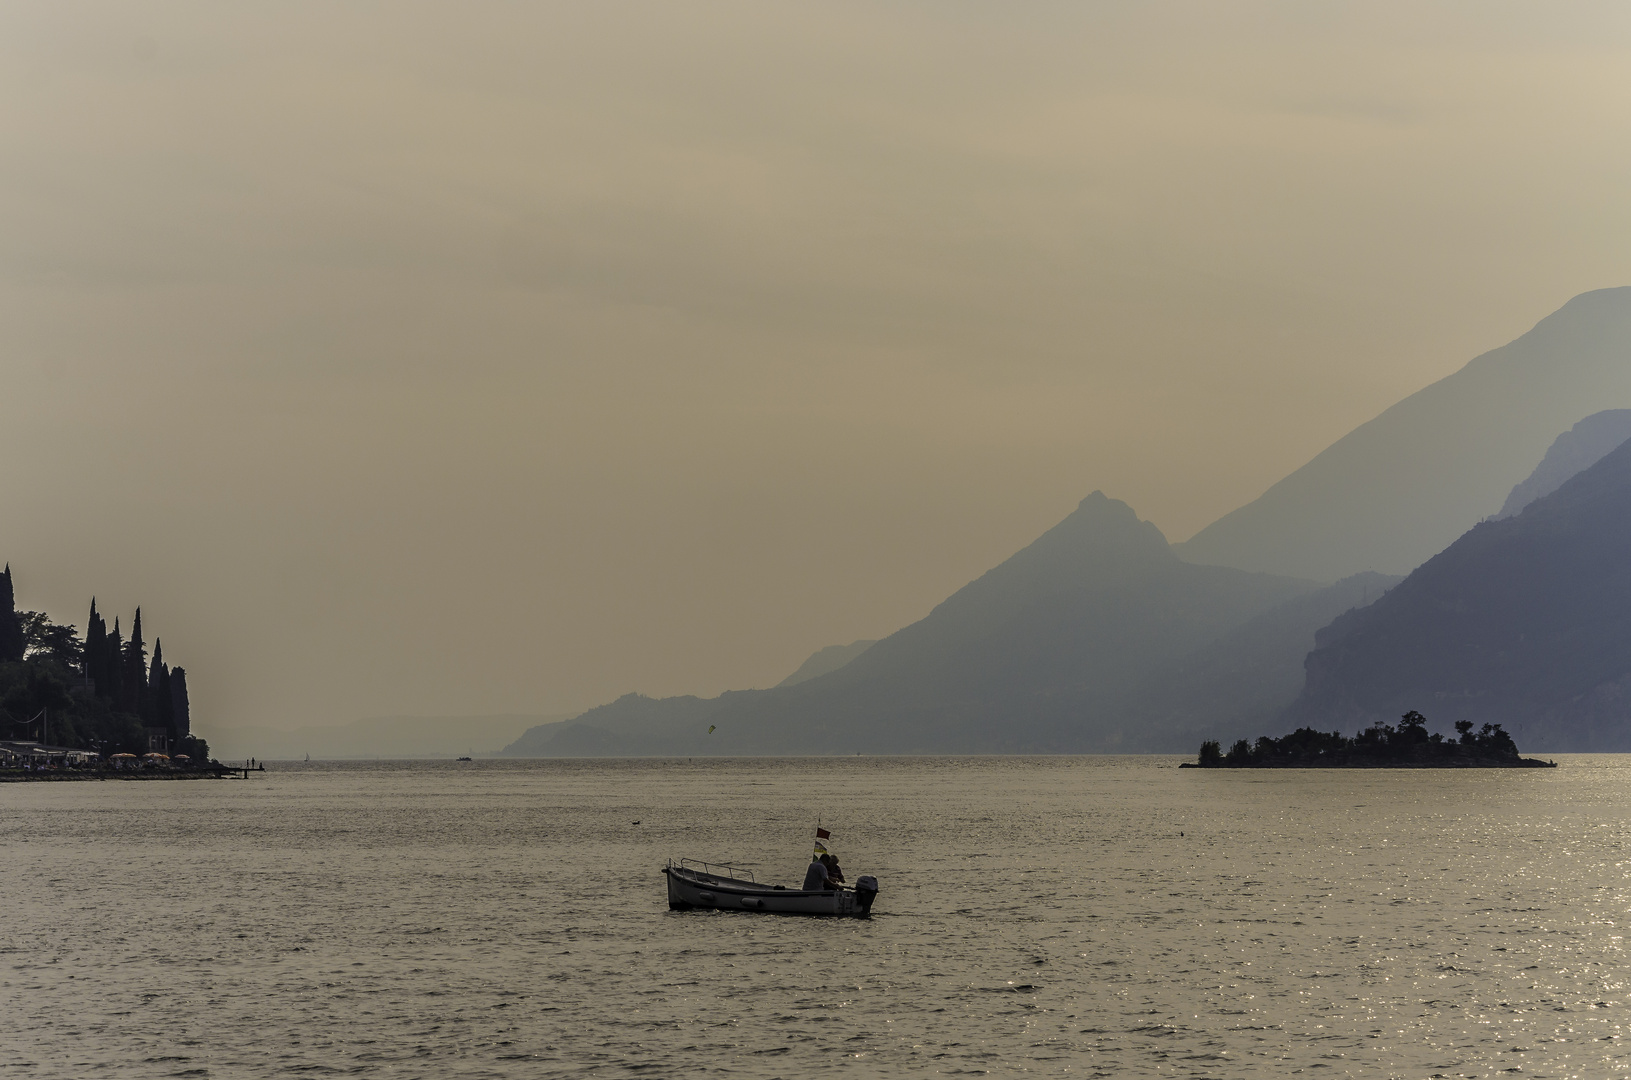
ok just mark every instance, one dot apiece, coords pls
pixel 693 884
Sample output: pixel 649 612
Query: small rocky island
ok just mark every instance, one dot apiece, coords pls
pixel 1381 746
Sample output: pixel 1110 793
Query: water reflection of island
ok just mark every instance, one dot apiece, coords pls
pixel 1381 746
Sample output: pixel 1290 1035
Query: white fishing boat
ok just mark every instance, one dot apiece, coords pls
pixel 693 884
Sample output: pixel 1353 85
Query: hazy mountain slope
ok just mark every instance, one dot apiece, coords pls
pixel 1581 447
pixel 379 737
pixel 1401 487
pixel 1524 621
pixel 1045 652
pixel 826 660
pixel 1237 685
pixel 631 725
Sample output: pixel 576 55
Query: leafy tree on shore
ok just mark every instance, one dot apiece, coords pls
pixel 44 638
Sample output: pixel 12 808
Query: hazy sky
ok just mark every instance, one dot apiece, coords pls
pixel 484 357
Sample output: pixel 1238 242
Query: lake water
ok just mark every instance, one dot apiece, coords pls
pixel 1111 917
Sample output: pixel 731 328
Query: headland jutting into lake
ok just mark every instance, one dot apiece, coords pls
pixel 1380 746
pixel 91 708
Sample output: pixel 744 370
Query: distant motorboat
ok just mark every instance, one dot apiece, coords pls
pixel 693 884
pixel 464 759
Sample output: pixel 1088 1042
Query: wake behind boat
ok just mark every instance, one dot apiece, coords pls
pixel 693 884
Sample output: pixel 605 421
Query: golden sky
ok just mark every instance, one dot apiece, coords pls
pixel 482 357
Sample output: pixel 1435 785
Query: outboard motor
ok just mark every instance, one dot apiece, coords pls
pixel 866 891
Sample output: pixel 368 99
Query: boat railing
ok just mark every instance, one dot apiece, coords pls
pixel 719 870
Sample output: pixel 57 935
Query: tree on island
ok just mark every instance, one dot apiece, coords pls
pixel 1408 744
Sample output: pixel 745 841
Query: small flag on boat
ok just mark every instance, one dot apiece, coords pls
pixel 819 850
pixel 823 834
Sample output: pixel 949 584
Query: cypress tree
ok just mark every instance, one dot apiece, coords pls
pixel 11 630
pixel 96 647
pixel 133 680
pixel 158 690
pixel 180 712
pixel 112 668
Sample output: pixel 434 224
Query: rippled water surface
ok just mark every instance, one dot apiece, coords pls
pixel 1065 916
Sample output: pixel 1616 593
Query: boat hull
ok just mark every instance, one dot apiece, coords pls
pixel 692 889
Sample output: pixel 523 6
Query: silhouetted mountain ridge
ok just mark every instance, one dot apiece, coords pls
pixel 1098 637
pixel 1524 621
pixel 1404 485
pixel 1048 651
pixel 1581 447
pixel 1243 681
pixel 826 660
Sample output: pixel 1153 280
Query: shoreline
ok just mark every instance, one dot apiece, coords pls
pixel 1522 763
pixel 70 777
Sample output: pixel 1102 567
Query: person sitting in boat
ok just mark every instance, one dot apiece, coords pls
pixel 816 877
pixel 834 874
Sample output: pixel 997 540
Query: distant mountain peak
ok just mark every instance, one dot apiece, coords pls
pixel 1100 543
pixel 1102 522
